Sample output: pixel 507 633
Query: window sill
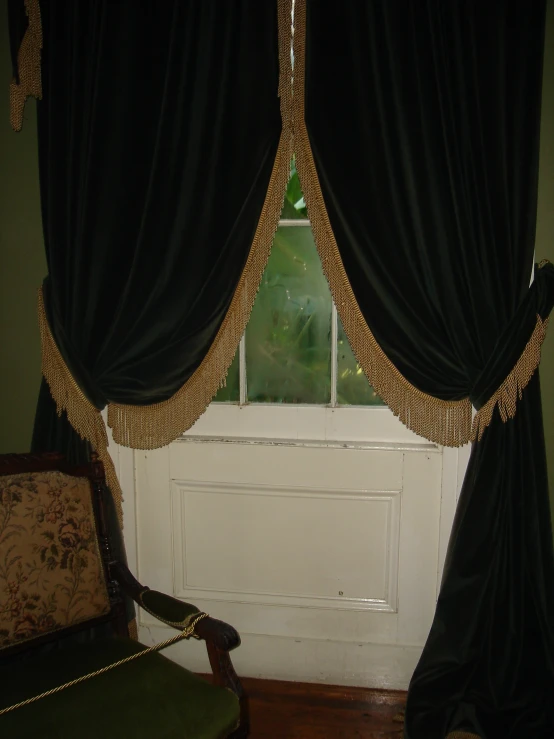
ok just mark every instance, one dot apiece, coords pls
pixel 305 424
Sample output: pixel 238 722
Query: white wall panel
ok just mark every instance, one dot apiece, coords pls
pixel 285 545
pixel 267 534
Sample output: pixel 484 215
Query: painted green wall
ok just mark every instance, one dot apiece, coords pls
pixel 22 266
pixel 22 261
pixel 545 234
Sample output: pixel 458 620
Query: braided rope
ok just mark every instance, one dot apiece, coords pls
pixel 185 634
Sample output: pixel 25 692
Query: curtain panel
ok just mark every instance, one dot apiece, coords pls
pixel 417 136
pixel 164 153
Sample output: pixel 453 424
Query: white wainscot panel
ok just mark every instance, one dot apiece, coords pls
pixel 304 547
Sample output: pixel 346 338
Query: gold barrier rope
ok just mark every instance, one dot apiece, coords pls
pixel 185 634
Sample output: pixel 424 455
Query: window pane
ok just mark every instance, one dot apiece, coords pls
pixel 288 347
pixel 294 206
pixel 230 393
pixel 352 385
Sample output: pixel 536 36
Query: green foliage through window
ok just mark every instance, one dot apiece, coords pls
pixel 289 336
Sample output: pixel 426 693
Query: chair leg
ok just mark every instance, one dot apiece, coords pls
pixel 225 676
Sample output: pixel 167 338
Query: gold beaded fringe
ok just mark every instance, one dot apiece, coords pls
pixel 511 390
pixel 443 422
pixel 28 64
pixel 154 426
pixel 81 413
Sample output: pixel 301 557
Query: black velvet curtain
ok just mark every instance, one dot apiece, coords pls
pixel 17 25
pixel 158 131
pixel 423 120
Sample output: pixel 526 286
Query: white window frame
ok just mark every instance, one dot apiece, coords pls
pixel 355 427
pixel 331 423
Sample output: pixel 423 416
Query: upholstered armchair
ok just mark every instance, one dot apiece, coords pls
pixel 62 616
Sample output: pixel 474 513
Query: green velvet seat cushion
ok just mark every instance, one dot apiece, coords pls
pixel 149 697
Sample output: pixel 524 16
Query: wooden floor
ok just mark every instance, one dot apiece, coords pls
pixel 283 710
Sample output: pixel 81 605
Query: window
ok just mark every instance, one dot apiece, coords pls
pixel 295 350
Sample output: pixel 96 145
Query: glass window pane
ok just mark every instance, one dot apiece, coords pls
pixel 294 206
pixel 288 347
pixel 230 392
pixel 352 385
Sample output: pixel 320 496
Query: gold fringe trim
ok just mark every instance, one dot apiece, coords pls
pixel 28 63
pixel 511 390
pixel 133 629
pixel 443 422
pixel 154 426
pixel 81 413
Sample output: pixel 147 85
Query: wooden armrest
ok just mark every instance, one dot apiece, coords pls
pixel 220 638
pixel 175 612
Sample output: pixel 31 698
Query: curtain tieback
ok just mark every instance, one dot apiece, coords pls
pixel 516 355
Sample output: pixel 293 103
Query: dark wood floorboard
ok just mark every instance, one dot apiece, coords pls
pixel 284 710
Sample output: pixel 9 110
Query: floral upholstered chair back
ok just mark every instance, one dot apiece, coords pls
pixel 51 571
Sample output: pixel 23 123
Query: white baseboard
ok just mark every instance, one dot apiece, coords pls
pixel 368 665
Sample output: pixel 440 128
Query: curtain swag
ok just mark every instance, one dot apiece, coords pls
pixel 156 425
pixel 445 422
pixel 28 81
